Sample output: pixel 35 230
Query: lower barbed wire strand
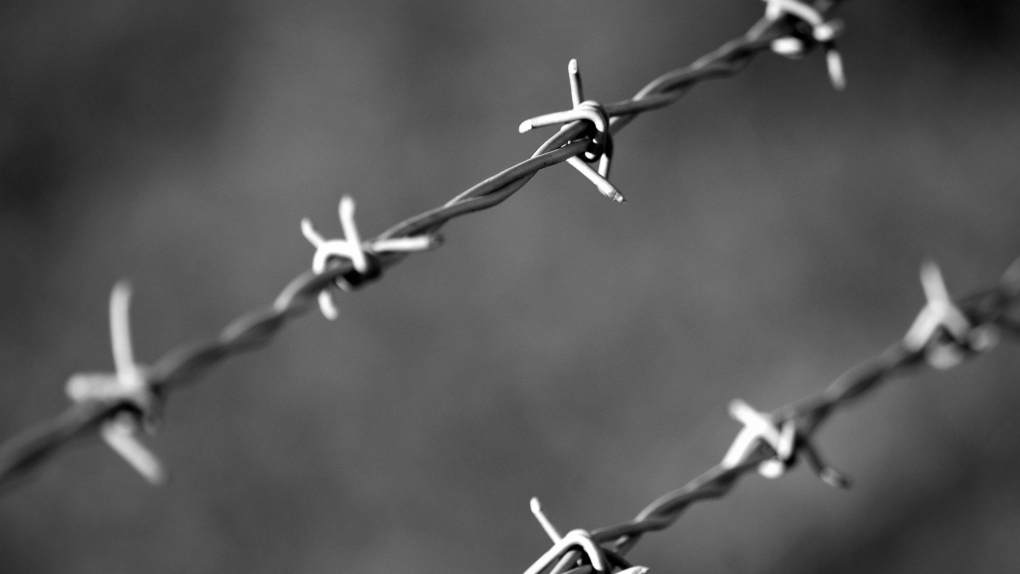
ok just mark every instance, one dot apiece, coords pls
pixel 989 305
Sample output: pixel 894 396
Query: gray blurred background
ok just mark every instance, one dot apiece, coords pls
pixel 558 345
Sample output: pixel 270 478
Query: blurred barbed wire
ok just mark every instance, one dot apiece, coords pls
pixel 945 333
pixel 121 405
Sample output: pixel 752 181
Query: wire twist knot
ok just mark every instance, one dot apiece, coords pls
pixel 565 552
pixel 578 538
pixel 784 440
pixel 810 29
pixel 600 148
pixel 364 256
pixel 129 386
pixel 945 334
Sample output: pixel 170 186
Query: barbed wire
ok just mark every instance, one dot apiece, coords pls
pixel 946 332
pixel 122 404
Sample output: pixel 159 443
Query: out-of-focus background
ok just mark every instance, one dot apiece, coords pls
pixel 558 345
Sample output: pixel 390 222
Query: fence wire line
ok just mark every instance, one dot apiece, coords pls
pixel 946 332
pixel 97 408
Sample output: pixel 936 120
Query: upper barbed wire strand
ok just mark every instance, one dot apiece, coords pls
pixel 184 364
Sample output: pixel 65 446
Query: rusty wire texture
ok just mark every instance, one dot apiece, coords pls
pixel 947 330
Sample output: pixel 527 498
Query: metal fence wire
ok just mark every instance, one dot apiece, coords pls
pixel 121 405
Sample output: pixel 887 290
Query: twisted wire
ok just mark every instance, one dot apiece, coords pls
pixel 985 308
pixel 607 545
pixel 182 365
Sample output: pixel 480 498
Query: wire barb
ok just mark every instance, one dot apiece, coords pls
pixel 363 255
pixel 30 448
pixel 759 427
pixel 575 538
pixel 128 385
pixel 569 558
pixel 784 440
pixel 124 402
pixel 601 147
pixel 550 530
pixel 942 331
pixel 821 33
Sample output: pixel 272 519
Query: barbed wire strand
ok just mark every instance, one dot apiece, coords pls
pixel 945 333
pixel 185 364
pixel 934 340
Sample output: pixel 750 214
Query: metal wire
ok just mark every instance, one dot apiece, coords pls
pixel 180 366
pixel 983 310
pixel 946 332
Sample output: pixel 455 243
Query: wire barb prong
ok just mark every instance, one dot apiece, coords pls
pixel 129 385
pixel 600 148
pixel 362 255
pixel 575 538
pixel 550 530
pixel 576 92
pixel 760 427
pixel 784 440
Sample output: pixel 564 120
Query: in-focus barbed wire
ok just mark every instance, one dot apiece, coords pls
pixel 121 404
